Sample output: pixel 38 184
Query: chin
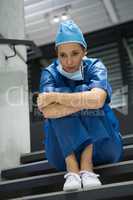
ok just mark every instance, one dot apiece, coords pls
pixel 71 70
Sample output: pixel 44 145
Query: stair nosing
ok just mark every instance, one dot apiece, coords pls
pixel 43 151
pixel 52 194
pixel 122 163
pixel 43 161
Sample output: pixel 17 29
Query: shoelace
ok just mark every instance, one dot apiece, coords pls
pixel 87 174
pixel 71 175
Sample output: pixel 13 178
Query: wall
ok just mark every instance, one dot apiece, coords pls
pixel 14 107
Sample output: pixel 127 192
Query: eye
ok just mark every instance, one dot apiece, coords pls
pixel 75 53
pixel 62 55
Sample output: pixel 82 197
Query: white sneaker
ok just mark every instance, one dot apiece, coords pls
pixel 73 182
pixel 89 179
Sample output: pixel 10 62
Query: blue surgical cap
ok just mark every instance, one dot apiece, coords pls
pixel 69 32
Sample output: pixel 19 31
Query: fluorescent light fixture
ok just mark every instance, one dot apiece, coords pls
pixel 64 16
pixel 56 19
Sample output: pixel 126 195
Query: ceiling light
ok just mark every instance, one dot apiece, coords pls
pixel 64 16
pixel 56 19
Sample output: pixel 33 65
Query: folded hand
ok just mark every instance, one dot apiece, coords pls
pixel 45 99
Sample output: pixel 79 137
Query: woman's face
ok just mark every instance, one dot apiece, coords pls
pixel 70 56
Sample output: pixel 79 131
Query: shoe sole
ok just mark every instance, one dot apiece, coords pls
pixel 71 190
pixel 91 187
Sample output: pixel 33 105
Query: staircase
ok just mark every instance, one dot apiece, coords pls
pixel 36 179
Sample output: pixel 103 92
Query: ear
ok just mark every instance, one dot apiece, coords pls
pixel 86 52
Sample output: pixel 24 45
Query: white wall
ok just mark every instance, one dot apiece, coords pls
pixel 14 107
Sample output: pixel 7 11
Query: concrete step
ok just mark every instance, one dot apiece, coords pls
pixel 111 173
pixel 33 157
pixel 115 191
pixel 43 167
pixel 41 155
pixel 128 139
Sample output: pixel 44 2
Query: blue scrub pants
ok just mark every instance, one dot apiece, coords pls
pixel 73 133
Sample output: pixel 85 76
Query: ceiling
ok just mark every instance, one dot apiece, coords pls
pixel 90 15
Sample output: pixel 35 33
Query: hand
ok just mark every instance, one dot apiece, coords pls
pixel 45 99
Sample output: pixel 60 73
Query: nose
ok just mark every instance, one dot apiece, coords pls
pixel 69 61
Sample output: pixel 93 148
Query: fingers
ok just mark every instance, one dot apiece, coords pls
pixel 40 103
pixel 44 99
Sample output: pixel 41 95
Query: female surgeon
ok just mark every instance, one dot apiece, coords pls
pixel 81 130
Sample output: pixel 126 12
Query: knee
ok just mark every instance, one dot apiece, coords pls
pixel 107 153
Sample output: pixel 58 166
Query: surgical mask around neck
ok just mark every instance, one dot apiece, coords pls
pixel 78 75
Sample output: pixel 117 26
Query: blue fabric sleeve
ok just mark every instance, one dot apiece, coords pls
pixel 81 88
pixel 48 84
pixel 97 74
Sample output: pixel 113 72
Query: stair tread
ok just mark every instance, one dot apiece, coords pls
pixel 127 139
pixel 41 155
pixel 108 172
pixel 33 181
pixel 44 167
pixel 115 190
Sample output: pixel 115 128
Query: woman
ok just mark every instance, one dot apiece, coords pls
pixel 81 130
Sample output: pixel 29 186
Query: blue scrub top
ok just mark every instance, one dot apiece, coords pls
pixel 97 126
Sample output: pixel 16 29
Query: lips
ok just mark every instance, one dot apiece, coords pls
pixel 70 69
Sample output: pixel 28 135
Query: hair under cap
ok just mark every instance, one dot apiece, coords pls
pixel 68 32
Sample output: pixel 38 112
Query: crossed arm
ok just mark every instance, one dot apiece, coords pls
pixel 55 110
pixel 55 105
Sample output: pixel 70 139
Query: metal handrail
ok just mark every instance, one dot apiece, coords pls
pixel 13 42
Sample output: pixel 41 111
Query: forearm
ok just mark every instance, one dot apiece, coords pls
pixel 81 100
pixel 93 99
pixel 56 110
